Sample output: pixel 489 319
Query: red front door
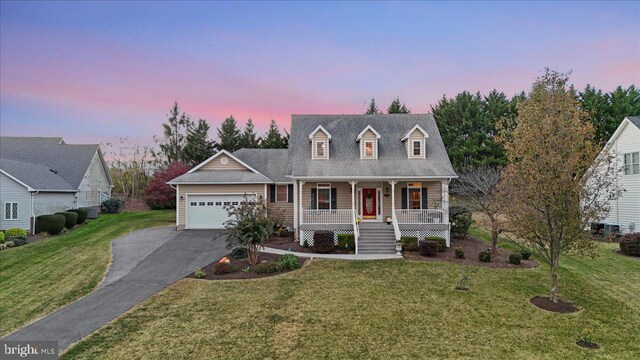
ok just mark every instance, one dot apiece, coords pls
pixel 369 203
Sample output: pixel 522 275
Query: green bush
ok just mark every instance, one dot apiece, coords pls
pixel 239 252
pixel 52 223
pixel 630 244
pixel 15 232
pixel 199 273
pixel 428 248
pixel 288 262
pixel 111 206
pixel 409 243
pixel 526 254
pixel 1 237
pixel 323 242
pixel 266 268
pixel 18 240
pixel 442 243
pixel 71 218
pixel 224 268
pixel 515 259
pixel 305 244
pixel 485 256
pixel 460 223
pixel 82 215
pixel 346 241
pixel 459 252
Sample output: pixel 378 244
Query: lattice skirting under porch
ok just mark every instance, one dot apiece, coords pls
pixel 308 235
pixel 421 234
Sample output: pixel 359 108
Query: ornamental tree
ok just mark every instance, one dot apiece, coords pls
pixel 159 195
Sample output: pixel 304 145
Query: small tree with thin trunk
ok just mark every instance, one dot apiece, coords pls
pixel 250 224
pixel 555 184
pixel 478 188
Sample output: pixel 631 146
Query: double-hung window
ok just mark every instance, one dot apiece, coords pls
pixel 11 211
pixel 632 163
pixel 321 149
pixel 282 193
pixel 324 196
pixel 417 148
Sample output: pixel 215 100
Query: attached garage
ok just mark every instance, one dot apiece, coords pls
pixel 208 211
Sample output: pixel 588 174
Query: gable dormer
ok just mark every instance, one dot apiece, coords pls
pixel 416 142
pixel 368 139
pixel 320 143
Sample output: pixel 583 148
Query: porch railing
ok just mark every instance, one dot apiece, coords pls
pixel 335 216
pixel 356 230
pixel 424 216
pixel 396 228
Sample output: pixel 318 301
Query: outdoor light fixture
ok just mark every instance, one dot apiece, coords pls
pixel 181 197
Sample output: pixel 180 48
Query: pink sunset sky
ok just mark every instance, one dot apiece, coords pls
pixel 91 72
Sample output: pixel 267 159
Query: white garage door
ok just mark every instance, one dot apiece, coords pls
pixel 207 211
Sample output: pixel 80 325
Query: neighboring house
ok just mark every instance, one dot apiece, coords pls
pixel 338 168
pixel 625 144
pixel 43 175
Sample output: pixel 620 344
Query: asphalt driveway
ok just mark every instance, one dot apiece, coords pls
pixel 144 262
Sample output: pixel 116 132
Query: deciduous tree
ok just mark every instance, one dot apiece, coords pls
pixel 159 195
pixel 130 167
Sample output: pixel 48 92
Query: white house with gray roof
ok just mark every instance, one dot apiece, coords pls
pixel 43 175
pixel 378 177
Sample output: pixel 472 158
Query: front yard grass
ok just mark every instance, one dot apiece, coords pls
pixel 40 277
pixel 384 309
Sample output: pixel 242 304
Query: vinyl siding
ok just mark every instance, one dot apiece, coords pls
pixel 343 190
pixel 49 203
pixel 626 209
pixel 94 179
pixel 11 191
pixel 287 207
pixel 215 164
pixel 415 135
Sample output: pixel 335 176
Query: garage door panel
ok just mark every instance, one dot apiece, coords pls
pixel 208 211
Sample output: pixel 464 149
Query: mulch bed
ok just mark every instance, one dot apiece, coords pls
pixel 472 247
pixel 243 264
pixel 289 243
pixel 587 345
pixel 545 303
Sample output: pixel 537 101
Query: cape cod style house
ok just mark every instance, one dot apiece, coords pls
pixel 378 177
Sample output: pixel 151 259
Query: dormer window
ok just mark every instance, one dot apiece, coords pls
pixel 416 141
pixel 320 143
pixel 417 148
pixel 368 140
pixel 368 148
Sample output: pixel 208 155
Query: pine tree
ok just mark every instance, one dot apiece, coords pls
pixel 175 133
pixel 373 108
pixel 229 135
pixel 198 146
pixel 396 107
pixel 273 139
pixel 249 138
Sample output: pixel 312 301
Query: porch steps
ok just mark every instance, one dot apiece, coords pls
pixel 376 238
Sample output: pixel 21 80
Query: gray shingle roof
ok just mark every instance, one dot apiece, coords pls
pixel 635 120
pixel 38 177
pixel 273 163
pixel 344 151
pixel 221 177
pixel 69 161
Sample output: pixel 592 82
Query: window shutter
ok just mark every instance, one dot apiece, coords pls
pixel 272 193
pixel 425 202
pixel 334 198
pixel 403 195
pixel 314 204
pixel 290 192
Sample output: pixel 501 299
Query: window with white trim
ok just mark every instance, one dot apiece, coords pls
pixel 324 197
pixel 282 193
pixel 417 148
pixel 11 211
pixel 414 196
pixel 320 150
pixel 632 163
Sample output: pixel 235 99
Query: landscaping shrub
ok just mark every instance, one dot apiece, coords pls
pixel 409 243
pixel 282 232
pixel 288 262
pixel 459 252
pixel 305 244
pixel 70 218
pixel 15 232
pixel 52 223
pixel 239 252
pixel 266 268
pixel 323 242
pixel 485 256
pixel 159 195
pixel 82 215
pixel 19 240
pixel 526 254
pixel 515 259
pixel 112 206
pixel 1 237
pixel 346 241
pixel 224 268
pixel 442 243
pixel 460 222
pixel 428 248
pixel 199 273
pixel 630 244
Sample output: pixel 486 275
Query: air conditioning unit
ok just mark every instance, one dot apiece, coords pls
pixel 632 227
pixel 610 229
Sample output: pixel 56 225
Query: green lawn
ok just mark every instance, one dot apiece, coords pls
pixel 383 309
pixel 38 278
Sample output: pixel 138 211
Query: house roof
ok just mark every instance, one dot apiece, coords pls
pixel 635 120
pixel 345 156
pixel 220 177
pixel 273 163
pixel 32 160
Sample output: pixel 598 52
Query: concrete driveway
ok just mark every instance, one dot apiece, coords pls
pixel 144 262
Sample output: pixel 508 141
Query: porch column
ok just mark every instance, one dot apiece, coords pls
pixel 393 198
pixel 295 208
pixel 445 208
pixel 353 196
pixel 300 201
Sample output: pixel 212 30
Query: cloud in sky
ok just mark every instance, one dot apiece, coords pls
pixel 93 71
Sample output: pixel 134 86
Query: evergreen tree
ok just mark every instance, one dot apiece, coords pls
pixel 229 135
pixel 397 107
pixel 373 108
pixel 273 139
pixel 175 133
pixel 198 146
pixel 249 138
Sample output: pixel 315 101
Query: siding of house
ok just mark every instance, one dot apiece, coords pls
pixel 49 203
pixel 626 210
pixel 415 135
pixel 215 164
pixel 11 191
pixel 369 136
pixel 94 182
pixel 343 191
pixel 183 190
pixel 287 207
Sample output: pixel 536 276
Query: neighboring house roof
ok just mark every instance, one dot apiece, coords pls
pixel 273 163
pixel 220 177
pixel 635 120
pixel 32 159
pixel 345 161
